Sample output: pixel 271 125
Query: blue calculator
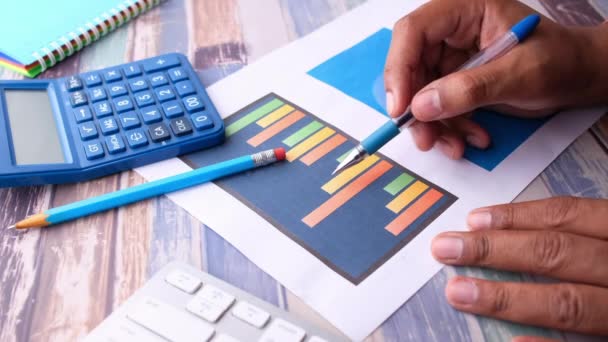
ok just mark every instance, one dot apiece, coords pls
pixel 101 122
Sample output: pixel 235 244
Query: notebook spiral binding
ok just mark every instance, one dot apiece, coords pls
pixel 64 47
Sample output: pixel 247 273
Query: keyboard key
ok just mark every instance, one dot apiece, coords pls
pixel 87 131
pixel 251 314
pixel 172 109
pixel 157 80
pixel 225 338
pixel 137 138
pixel 183 281
pixel 184 88
pixel 193 103
pixel 74 83
pixel 160 63
pixel 164 94
pixel 93 150
pixel 144 98
pixel 92 79
pixel 115 144
pixel 159 132
pixel 98 94
pixel 112 75
pixel 82 114
pixel 150 114
pixel 108 126
pixel 169 322
pixel 201 121
pixel 129 120
pixel 132 70
pixel 117 89
pixel 123 104
pixel 181 126
pixel 317 339
pixel 138 84
pixel 280 330
pixel 122 331
pixel 78 98
pixel 210 303
pixel 177 74
pixel 102 109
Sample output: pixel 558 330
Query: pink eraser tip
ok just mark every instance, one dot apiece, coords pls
pixel 279 153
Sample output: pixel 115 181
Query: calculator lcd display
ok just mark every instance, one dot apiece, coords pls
pixel 33 127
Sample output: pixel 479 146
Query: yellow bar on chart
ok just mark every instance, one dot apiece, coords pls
pixel 347 175
pixel 406 197
pixel 275 116
pixel 309 143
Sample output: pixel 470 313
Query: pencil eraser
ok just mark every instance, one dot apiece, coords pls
pixel 279 153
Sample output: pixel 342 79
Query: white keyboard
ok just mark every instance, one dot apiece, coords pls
pixel 181 303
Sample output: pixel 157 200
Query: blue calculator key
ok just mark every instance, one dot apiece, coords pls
pixel 78 98
pixel 129 120
pixel 87 131
pixel 160 63
pixel 102 109
pixel 132 70
pixel 150 114
pixel 74 83
pixel 172 109
pixel 138 84
pixel 123 104
pixel 98 94
pixel 144 98
pixel 115 144
pixel 82 114
pixel 137 138
pixel 185 88
pixel 93 150
pixel 117 89
pixel 157 80
pixel 164 94
pixel 92 79
pixel 193 103
pixel 108 126
pixel 177 74
pixel 181 126
pixel 159 132
pixel 201 121
pixel 112 75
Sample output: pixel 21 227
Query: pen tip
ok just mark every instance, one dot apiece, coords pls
pixel 11 227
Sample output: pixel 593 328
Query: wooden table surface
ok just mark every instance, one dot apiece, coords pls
pixel 58 284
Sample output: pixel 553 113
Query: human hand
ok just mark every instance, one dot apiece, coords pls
pixel 564 238
pixel 555 67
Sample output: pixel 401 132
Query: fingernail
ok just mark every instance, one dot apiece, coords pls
pixel 447 248
pixel 389 103
pixel 462 292
pixel 428 104
pixel 480 219
pixel 473 141
pixel 445 147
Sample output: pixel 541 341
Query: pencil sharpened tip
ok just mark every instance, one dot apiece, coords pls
pixel 12 227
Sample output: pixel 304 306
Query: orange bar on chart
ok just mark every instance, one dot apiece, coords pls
pixel 406 197
pixel 275 129
pixel 344 195
pixel 412 213
pixel 323 149
pixel 309 143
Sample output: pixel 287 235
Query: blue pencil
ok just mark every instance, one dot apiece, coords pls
pixel 147 190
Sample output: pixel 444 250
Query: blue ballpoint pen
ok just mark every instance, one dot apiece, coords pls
pixel 392 128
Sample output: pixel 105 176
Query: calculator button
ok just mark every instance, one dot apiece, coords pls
pixel 132 70
pixel 144 98
pixel 108 126
pixel 129 120
pixel 93 150
pixel 137 138
pixel 117 89
pixel 82 114
pixel 138 84
pixel 183 281
pixel 177 74
pixel 115 144
pixel 250 314
pixel 185 88
pixel 157 80
pixel 112 75
pixel 201 121
pixel 164 94
pixel 92 79
pixel 78 98
pixel 159 132
pixel 193 103
pixel 172 109
pixel 87 131
pixel 74 83
pixel 160 63
pixel 225 338
pixel 181 126
pixel 98 94
pixel 210 303
pixel 317 339
pixel 281 330
pixel 123 104
pixel 150 114
pixel 102 109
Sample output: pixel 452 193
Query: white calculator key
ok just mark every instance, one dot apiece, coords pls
pixel 210 303
pixel 282 331
pixel 251 314
pixel 317 339
pixel 169 322
pixel 225 338
pixel 183 281
pixel 123 332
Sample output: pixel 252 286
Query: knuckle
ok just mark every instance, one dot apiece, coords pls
pixel 481 249
pixel 549 250
pixel 474 90
pixel 560 211
pixel 404 24
pixel 566 308
pixel 501 301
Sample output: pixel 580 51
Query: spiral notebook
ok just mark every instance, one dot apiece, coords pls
pixel 36 35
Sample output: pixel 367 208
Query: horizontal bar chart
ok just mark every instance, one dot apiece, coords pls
pixel 323 149
pixel 309 143
pixel 303 133
pixel 275 129
pixel 347 175
pixel 275 116
pixel 414 212
pixel 252 117
pixel 407 197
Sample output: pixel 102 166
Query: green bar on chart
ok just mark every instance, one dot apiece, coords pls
pixel 253 117
pixel 398 184
pixel 303 133
pixel 342 157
